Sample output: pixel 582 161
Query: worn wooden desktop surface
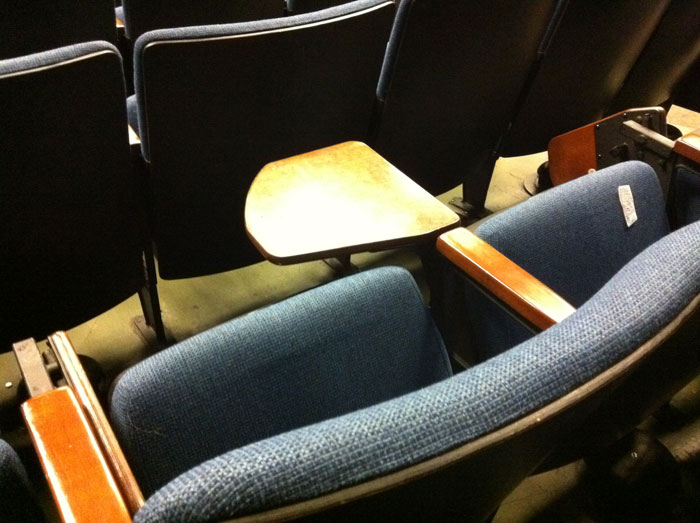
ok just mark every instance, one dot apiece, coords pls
pixel 337 201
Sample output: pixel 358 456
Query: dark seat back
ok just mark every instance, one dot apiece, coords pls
pixel 296 7
pixel 595 47
pixel 216 103
pixel 449 83
pixel 667 57
pixel 31 26
pixel 146 15
pixel 70 203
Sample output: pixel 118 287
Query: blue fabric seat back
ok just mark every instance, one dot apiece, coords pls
pixel 331 350
pixel 18 503
pixel 642 298
pixel 71 205
pixel 216 103
pixel 32 26
pixel 141 16
pixel 573 238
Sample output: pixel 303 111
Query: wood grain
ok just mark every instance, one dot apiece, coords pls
pixel 79 477
pixel 338 201
pixel 572 154
pixel 688 146
pixel 79 383
pixel 518 289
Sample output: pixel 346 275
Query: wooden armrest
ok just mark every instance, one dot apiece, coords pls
pixel 80 479
pixel 575 153
pixel 79 383
pixel 688 146
pixel 517 288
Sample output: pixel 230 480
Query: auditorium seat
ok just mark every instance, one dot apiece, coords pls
pixel 449 84
pixel 71 202
pixel 141 16
pixel 31 26
pixel 339 403
pixel 573 238
pixel 216 103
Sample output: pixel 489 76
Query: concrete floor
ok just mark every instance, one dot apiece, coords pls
pixel 118 339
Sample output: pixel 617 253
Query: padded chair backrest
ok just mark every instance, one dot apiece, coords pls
pixel 449 83
pixel 296 7
pixel 31 26
pixel 146 15
pixel 216 103
pixel 479 432
pixel 19 504
pixel 668 55
pixel 595 47
pixel 574 238
pixel 70 203
pixel 335 349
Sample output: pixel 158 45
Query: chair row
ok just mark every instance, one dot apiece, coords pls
pixel 203 145
pixel 39 25
pixel 340 403
pixel 305 82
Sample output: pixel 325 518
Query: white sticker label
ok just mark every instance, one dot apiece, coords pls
pixel 627 202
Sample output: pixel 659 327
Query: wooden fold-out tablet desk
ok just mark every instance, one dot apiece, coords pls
pixel 339 201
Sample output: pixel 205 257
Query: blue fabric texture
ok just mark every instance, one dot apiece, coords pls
pixel 17 503
pixel 686 200
pixel 224 30
pixel 639 300
pixel 54 56
pixel 343 346
pixel 573 238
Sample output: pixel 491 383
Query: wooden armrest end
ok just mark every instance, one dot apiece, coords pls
pixel 507 281
pixel 78 475
pixel 688 146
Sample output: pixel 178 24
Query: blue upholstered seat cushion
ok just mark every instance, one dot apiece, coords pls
pixel 644 296
pixel 337 348
pixel 573 238
pixel 17 502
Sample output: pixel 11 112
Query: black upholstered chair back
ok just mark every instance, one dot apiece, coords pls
pixel 145 15
pixel 296 7
pixel 72 220
pixel 216 103
pixel 667 57
pixel 595 47
pixel 449 84
pixel 31 26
